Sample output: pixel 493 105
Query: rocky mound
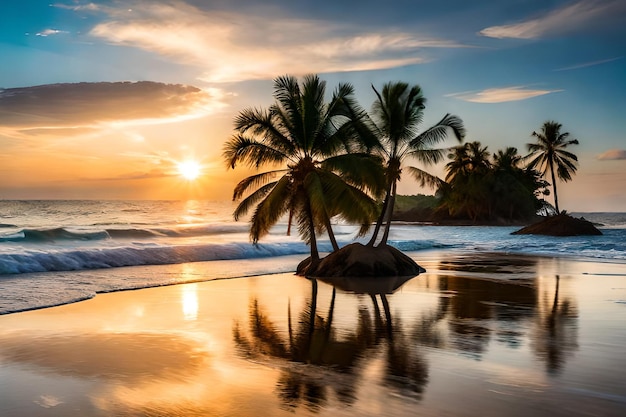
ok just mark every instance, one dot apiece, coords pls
pixel 357 260
pixel 560 225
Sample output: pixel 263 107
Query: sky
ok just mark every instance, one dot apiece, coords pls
pixel 103 99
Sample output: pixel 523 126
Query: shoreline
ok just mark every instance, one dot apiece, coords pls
pixel 189 349
pixel 206 266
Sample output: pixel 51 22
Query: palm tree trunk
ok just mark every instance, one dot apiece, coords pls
pixel 381 217
pixel 556 199
pixel 315 256
pixel 389 214
pixel 331 234
pixel 290 221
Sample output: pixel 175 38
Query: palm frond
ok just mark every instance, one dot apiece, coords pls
pixel 289 100
pixel 244 206
pixel 348 201
pixel 365 171
pixel 254 181
pixel 424 178
pixel 250 151
pixel 313 111
pixel 439 132
pixel 563 154
pixel 270 210
pixel 316 195
pixel 428 156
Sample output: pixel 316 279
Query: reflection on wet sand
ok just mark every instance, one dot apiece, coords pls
pixel 468 314
pixel 344 353
pixel 473 306
pixel 292 346
pixel 555 335
pixel 130 358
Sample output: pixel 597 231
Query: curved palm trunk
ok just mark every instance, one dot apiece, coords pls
pixel 381 217
pixel 392 203
pixel 556 199
pixel 379 222
pixel 331 234
pixel 290 221
pixel 315 256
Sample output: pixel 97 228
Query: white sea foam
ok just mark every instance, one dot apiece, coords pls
pixel 40 241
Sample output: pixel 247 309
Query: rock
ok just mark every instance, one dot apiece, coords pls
pixel 560 225
pixel 358 260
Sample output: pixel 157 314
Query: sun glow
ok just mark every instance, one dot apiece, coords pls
pixel 190 170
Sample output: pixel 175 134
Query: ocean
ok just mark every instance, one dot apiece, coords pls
pixel 57 252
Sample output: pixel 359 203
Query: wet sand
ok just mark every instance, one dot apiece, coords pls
pixel 478 334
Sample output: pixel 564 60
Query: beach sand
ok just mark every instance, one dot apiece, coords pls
pixel 477 334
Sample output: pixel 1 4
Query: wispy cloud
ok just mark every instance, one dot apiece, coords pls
pixel 588 64
pixel 81 107
pixel 226 44
pixel 500 95
pixel 612 155
pixel 137 175
pixel 570 18
pixel 50 32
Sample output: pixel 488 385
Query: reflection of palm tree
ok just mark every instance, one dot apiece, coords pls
pixel 549 154
pixel 315 142
pixel 475 302
pixel 313 341
pixel 406 368
pixel 556 332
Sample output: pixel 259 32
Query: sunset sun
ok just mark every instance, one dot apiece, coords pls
pixel 189 170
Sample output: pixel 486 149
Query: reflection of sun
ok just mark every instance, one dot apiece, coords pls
pixel 190 170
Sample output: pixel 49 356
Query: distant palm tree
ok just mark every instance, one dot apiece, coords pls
pixel 466 172
pixel 396 115
pixel 468 158
pixel 549 154
pixel 507 160
pixel 324 168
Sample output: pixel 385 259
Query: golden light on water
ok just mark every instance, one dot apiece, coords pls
pixel 190 301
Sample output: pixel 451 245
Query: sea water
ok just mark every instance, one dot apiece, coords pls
pixel 55 252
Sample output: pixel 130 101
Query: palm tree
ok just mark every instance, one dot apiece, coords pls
pixel 549 154
pixel 466 190
pixel 396 115
pixel 323 168
pixel 513 188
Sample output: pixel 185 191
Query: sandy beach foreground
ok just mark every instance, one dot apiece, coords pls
pixel 486 334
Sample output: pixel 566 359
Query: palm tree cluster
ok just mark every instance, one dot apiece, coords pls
pixel 323 165
pixel 331 159
pixel 481 186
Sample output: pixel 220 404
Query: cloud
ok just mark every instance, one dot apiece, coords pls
pixel 588 64
pixel 80 107
pixel 49 32
pixel 574 17
pixel 233 46
pixel 137 175
pixel 500 95
pixel 612 155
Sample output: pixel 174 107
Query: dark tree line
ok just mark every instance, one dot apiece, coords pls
pixel 484 186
